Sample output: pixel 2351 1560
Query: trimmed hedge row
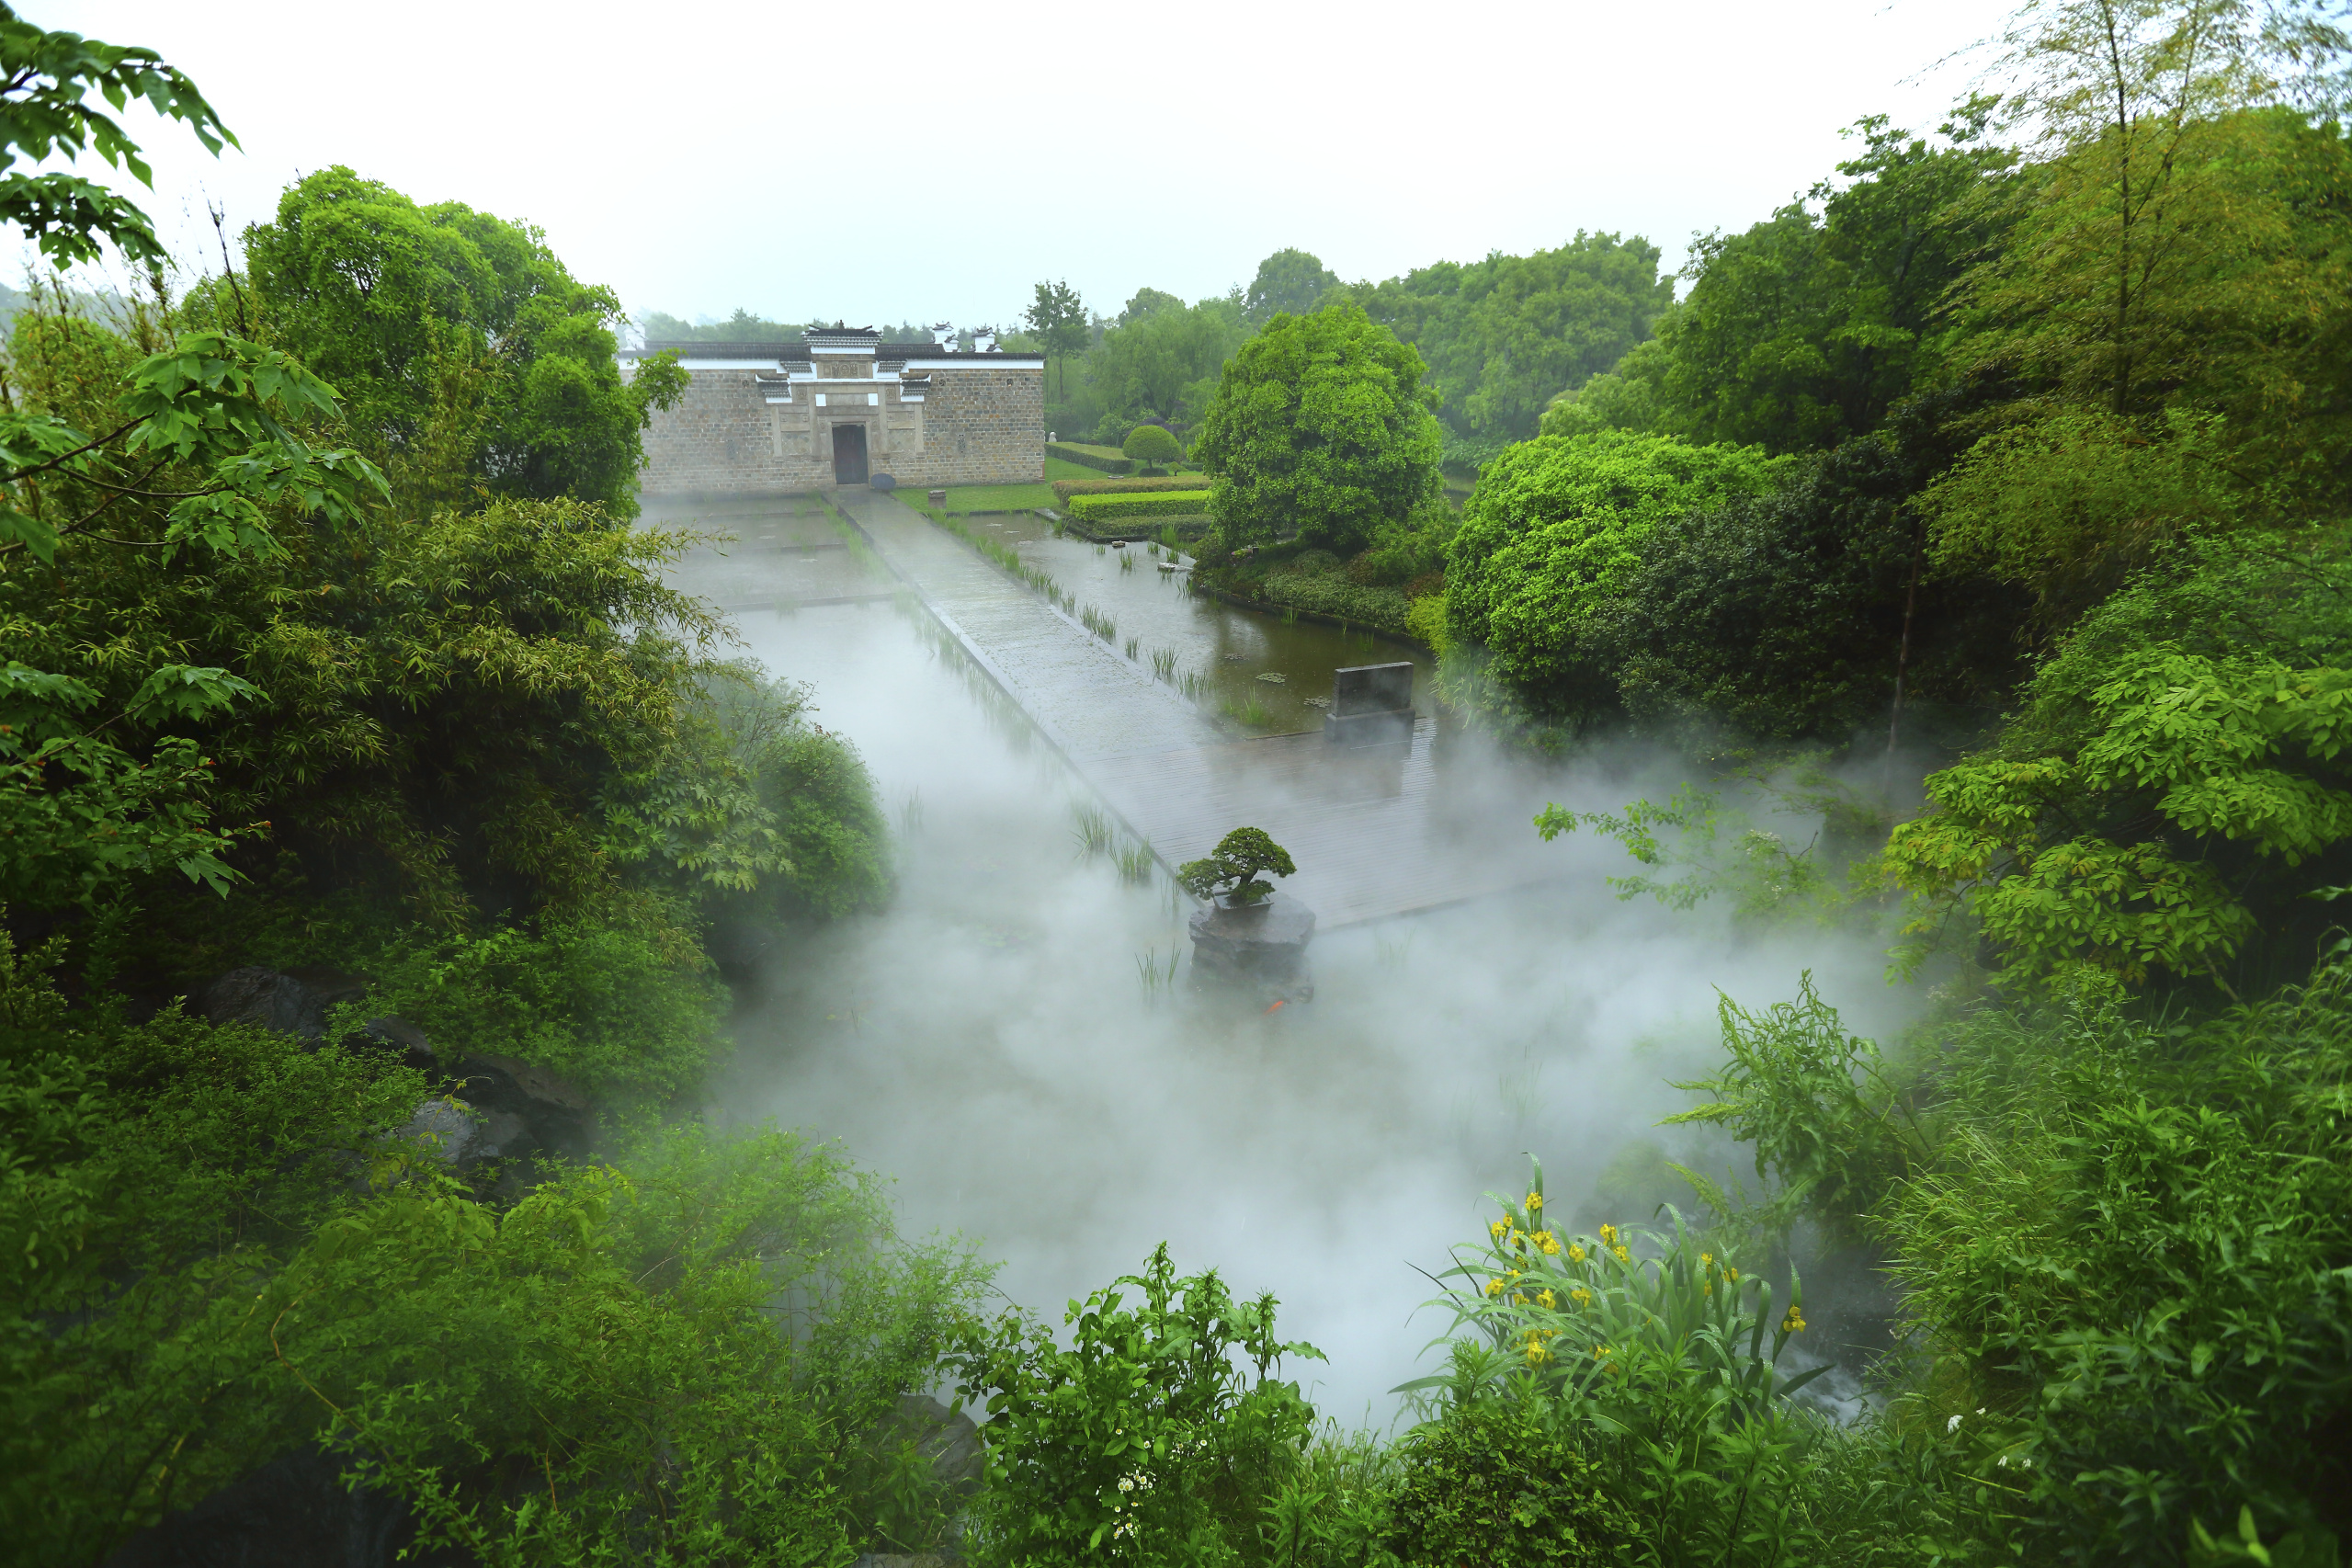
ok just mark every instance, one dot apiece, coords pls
pixel 1136 530
pixel 1086 457
pixel 1063 489
pixel 1166 503
pixel 1325 594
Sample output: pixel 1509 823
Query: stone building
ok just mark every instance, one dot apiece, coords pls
pixel 840 407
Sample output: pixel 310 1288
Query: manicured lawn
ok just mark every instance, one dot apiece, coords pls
pixel 990 497
pixel 1062 467
pixel 1090 446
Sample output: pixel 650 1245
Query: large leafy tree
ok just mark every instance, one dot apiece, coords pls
pixel 1058 318
pixel 1162 361
pixel 1291 280
pixel 2174 299
pixel 1320 427
pixel 1551 538
pixel 2124 100
pixel 1806 328
pixel 180 447
pixel 1791 615
pixel 45 112
pixel 465 350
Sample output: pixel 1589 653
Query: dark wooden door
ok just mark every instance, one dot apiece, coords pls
pixel 849 454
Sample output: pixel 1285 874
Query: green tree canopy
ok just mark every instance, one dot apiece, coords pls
pixel 1804 329
pixel 1147 302
pixel 1552 536
pixel 465 350
pixel 46 82
pixel 1288 280
pixel 1505 336
pixel 1320 425
pixel 1164 362
pixel 1785 614
pixel 741 327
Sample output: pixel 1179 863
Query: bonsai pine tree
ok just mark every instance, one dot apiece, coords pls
pixel 1152 444
pixel 1234 865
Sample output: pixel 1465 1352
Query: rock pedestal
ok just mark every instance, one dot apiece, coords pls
pixel 1258 953
pixel 1371 705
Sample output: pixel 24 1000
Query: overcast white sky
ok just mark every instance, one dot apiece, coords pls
pixel 885 161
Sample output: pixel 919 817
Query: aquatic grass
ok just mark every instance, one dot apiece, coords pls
pixel 1164 662
pixel 1158 974
pixel 1520 1091
pixel 1007 557
pixel 1131 648
pixel 1392 952
pixel 1135 862
pixel 1252 713
pixel 910 814
pixel 1098 623
pixel 1127 561
pixel 1090 826
pixel 1194 685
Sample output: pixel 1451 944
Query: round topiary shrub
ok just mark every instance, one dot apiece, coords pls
pixel 1492 1484
pixel 1152 444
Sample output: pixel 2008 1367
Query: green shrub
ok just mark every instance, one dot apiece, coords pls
pixel 1142 1441
pixel 2177 782
pixel 1105 459
pixel 627 1003
pixel 1064 490
pixel 1782 615
pixel 1113 508
pixel 2133 1246
pixel 832 844
pixel 1493 1485
pixel 213 1254
pixel 1552 536
pixel 1328 593
pixel 1424 619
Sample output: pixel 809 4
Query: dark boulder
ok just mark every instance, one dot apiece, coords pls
pixel 294 1512
pixel 945 1438
pixel 395 1034
pixel 292 1002
pixel 550 1111
pixel 1258 954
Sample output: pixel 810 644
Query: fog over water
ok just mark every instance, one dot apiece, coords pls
pixel 990 1043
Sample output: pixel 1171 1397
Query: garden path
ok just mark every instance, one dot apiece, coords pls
pixel 1375 833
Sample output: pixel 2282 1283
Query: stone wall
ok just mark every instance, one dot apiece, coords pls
pixel 981 426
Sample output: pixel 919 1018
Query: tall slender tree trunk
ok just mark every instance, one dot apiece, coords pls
pixel 2124 242
pixel 1903 649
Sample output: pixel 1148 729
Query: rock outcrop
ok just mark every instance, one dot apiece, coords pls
pixel 1258 954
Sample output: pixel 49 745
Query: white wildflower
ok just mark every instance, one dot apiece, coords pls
pixel 1953 1425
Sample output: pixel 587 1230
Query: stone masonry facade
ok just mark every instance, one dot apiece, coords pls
pixel 760 418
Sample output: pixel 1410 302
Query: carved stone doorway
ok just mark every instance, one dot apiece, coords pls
pixel 849 454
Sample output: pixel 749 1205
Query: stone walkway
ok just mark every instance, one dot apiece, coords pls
pixel 1090 701
pixel 1376 832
